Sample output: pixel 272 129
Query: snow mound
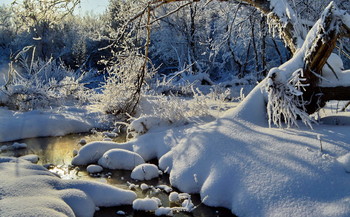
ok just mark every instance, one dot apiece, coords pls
pixel 143 145
pixel 92 152
pixel 41 193
pixel 238 162
pixel 345 162
pixel 120 159
pixel 145 172
pixel 17 145
pixel 94 168
pixel 31 158
pixel 146 204
pixel 164 211
pixel 144 187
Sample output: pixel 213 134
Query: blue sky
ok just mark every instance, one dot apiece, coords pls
pixel 95 6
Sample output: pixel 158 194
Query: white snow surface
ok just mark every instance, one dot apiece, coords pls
pixel 31 158
pixel 345 162
pixel 120 159
pixel 164 211
pixel 17 125
pixel 17 145
pixel 146 204
pixel 145 172
pixel 174 197
pixel 94 168
pixel 31 190
pixel 238 162
pixel 153 145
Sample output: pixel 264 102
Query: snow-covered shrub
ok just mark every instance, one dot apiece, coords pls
pixel 40 84
pixel 285 103
pixel 120 92
pixel 162 110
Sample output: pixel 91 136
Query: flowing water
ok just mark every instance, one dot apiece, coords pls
pixel 58 151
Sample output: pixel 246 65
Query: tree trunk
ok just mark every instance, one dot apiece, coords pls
pixel 332 29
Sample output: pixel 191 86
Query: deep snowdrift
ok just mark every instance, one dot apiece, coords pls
pixel 31 190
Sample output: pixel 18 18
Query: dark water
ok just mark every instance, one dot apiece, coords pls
pixel 59 152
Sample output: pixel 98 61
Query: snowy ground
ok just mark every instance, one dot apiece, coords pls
pixel 238 162
pixel 39 192
pixel 234 161
pixel 17 125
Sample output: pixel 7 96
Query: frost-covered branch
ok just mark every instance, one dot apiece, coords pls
pixel 286 100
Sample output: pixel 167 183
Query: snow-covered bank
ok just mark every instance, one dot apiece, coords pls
pixel 31 190
pixel 57 122
pixel 239 163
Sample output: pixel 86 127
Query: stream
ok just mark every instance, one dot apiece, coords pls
pixel 58 153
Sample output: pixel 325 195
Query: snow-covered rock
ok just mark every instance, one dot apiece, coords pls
pixel 164 211
pixel 174 197
pixel 145 172
pixel 132 186
pixel 82 142
pixel 120 159
pixel 75 153
pixel 31 190
pixel 144 187
pixel 93 151
pixel 120 212
pixel 31 158
pixel 146 204
pixel 94 168
pixel 187 205
pixel 4 148
pixel 165 188
pixel 17 145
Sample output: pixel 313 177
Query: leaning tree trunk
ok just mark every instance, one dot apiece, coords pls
pixel 331 28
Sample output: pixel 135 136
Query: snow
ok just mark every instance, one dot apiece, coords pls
pixel 120 212
pixel 329 79
pixel 165 188
pixel 174 197
pixel 145 172
pixel 31 158
pixel 92 152
pixel 345 162
pixel 146 204
pixel 39 192
pixel 187 205
pixel 144 187
pixel 120 159
pixel 94 168
pixel 17 145
pixel 132 186
pixel 235 161
pixel 164 211
pixel 339 77
pixel 56 122
pixel 238 162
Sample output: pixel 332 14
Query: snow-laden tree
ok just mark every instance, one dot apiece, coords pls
pixel 314 74
pixel 311 77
